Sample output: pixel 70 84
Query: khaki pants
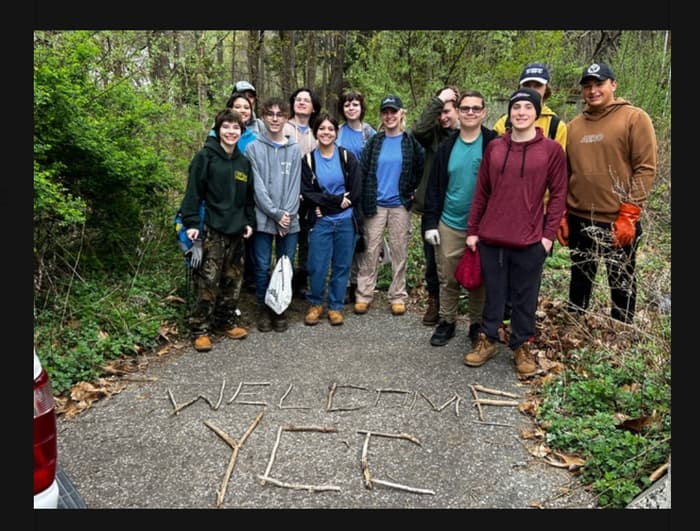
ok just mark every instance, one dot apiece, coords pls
pixel 398 222
pixel 448 253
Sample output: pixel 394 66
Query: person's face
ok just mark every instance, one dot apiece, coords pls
pixel 242 105
pixel 471 112
pixel 274 119
pixel 598 94
pixel 522 114
pixel 391 118
pixel 251 96
pixel 302 104
pixel 449 117
pixel 352 110
pixel 326 133
pixel 536 86
pixel 229 133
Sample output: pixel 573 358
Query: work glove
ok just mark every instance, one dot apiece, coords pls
pixel 432 236
pixel 195 253
pixel 623 227
pixel 563 231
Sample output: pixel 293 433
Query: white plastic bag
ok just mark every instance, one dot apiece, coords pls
pixel 279 291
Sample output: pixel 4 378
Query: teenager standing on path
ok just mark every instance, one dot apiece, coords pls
pixel 392 164
pixel 611 149
pixel 276 165
pixel 331 185
pixel 220 175
pixel 448 199
pixel 436 122
pixel 514 236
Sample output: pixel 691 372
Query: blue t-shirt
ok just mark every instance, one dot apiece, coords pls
pixel 388 172
pixel 330 177
pixel 353 140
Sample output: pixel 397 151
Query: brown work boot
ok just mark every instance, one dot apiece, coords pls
pixel 398 308
pixel 313 314
pixel 335 317
pixel 483 351
pixel 525 362
pixel 361 307
pixel 237 332
pixel 432 314
pixel 202 344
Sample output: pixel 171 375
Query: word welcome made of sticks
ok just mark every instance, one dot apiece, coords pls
pixel 410 399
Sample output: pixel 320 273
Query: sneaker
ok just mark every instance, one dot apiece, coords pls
pixel 237 332
pixel 443 333
pixel 335 317
pixel 398 308
pixel 264 318
pixel 483 351
pixel 279 322
pixel 432 314
pixel 525 362
pixel 202 344
pixel 313 314
pixel 361 307
pixel 474 330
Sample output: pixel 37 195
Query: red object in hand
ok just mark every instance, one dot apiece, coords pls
pixel 468 272
pixel 563 231
pixel 623 228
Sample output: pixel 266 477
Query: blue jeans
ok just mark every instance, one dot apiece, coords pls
pixel 263 258
pixel 331 245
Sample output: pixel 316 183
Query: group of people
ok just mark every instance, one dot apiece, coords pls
pixel 327 189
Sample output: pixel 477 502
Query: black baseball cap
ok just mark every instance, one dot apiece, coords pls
pixel 599 71
pixel 391 101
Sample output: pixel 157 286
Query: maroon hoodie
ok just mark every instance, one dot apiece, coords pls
pixel 508 205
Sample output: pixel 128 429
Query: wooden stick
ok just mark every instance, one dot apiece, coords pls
pixel 221 394
pixel 404 487
pixel 331 392
pixel 492 423
pixel 251 403
pixel 459 399
pixel 494 391
pixel 489 402
pixel 364 462
pixel 415 397
pixel 429 402
pixel 172 399
pixel 380 391
pixel 289 407
pixel 310 488
pixel 235 394
pixel 401 435
pixel 476 402
pixel 183 406
pixel 322 429
pixel 221 433
pixel 353 408
pixel 447 403
pixel 272 455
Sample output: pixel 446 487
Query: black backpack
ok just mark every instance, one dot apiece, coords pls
pixel 553 126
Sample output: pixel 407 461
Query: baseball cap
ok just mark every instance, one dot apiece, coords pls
pixel 391 101
pixel 535 72
pixel 242 86
pixel 599 71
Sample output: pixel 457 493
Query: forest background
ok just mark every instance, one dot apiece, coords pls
pixel 118 115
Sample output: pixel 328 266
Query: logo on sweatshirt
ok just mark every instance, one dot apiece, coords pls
pixel 591 139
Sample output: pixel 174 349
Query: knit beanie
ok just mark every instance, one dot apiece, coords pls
pixel 528 94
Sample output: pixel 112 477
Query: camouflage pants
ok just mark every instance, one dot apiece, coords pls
pixel 217 283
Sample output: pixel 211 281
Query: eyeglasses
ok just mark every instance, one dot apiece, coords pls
pixel 470 108
pixel 273 115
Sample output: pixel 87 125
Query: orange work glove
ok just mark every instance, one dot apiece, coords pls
pixel 623 228
pixel 563 231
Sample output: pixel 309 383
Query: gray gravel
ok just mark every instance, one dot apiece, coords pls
pixel 131 451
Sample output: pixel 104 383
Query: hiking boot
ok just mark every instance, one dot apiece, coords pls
pixel 361 308
pixel 474 330
pixel 483 351
pixel 525 362
pixel 279 322
pixel 398 308
pixel 237 332
pixel 432 314
pixel 202 344
pixel 443 333
pixel 335 317
pixel 264 318
pixel 313 314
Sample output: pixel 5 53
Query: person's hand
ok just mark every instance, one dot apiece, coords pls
pixel 195 253
pixel 318 212
pixel 285 220
pixel 547 244
pixel 623 228
pixel 247 232
pixel 432 236
pixel 471 242
pixel 345 203
pixel 563 231
pixel 447 94
pixel 192 234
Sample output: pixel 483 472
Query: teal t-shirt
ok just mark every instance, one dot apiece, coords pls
pixel 462 168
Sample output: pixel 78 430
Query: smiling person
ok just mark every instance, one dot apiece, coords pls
pixel 612 159
pixel 220 175
pixel 331 184
pixel 507 221
pixel 392 165
pixel 276 165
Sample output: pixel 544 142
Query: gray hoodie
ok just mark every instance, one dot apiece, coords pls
pixel 277 182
